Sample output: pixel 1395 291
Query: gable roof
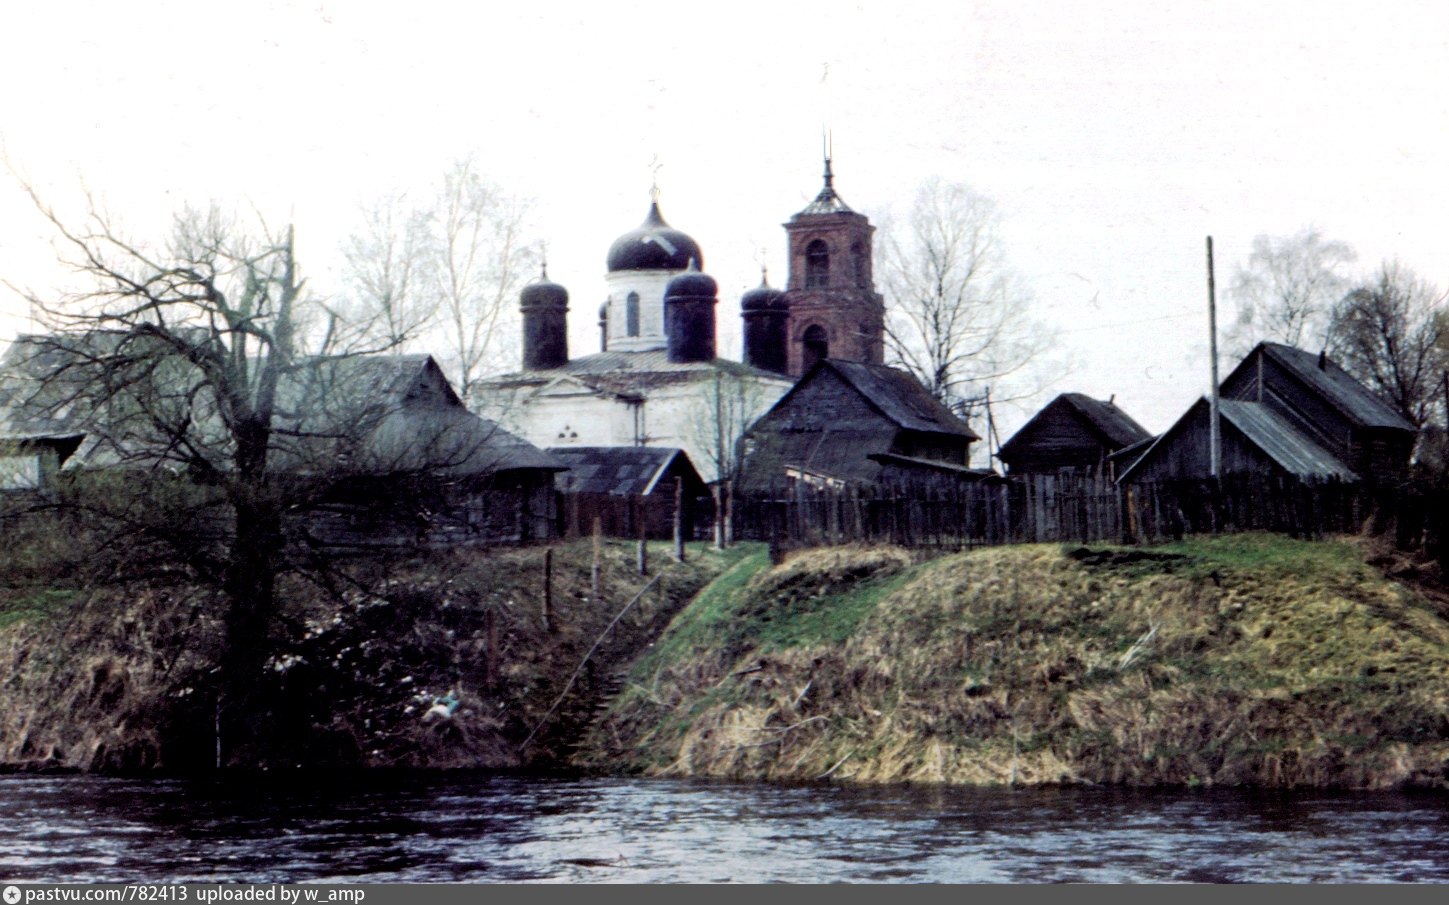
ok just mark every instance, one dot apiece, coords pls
pixel 896 394
pixel 1272 434
pixel 381 413
pixel 1113 423
pixel 1105 419
pixel 1331 382
pixel 618 470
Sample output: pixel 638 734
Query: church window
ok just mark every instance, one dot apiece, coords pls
pixel 631 314
pixel 857 255
pixel 816 345
pixel 817 264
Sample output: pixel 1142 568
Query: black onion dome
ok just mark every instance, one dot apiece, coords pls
pixel 763 297
pixel 543 293
pixel 655 245
pixel 692 284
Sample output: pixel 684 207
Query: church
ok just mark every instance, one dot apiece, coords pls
pixel 656 379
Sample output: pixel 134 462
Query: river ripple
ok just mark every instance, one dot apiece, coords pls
pixel 504 828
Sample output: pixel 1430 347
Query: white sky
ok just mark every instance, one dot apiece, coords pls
pixel 1114 136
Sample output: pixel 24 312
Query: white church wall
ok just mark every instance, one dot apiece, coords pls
pixel 650 284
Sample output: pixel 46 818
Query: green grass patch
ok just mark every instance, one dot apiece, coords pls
pixel 19 606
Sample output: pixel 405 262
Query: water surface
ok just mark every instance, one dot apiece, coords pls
pixel 503 828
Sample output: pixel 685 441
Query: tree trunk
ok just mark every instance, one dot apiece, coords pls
pixel 250 588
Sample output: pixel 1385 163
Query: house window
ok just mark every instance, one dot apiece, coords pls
pixel 631 314
pixel 817 264
pixel 816 345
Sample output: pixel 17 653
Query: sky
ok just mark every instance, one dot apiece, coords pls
pixel 1113 136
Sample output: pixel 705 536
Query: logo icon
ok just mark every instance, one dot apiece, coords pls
pixel 12 895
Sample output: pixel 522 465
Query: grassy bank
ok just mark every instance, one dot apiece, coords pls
pixel 443 661
pixel 1228 661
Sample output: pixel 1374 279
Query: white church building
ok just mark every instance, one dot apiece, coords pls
pixel 656 380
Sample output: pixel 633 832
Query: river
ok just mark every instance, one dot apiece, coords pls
pixel 476 827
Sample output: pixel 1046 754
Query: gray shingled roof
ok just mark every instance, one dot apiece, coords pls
pixel 900 397
pixel 1337 386
pixel 1106 417
pixel 383 413
pixel 618 470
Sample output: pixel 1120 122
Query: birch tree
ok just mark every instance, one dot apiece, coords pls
pixel 957 317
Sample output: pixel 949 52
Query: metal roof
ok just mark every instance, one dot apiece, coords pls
pixel 1291 449
pixel 1282 442
pixel 827 202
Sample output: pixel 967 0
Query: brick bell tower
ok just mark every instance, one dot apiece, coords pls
pixel 835 311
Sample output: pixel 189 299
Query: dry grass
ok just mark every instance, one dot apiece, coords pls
pixel 122 677
pixel 1253 660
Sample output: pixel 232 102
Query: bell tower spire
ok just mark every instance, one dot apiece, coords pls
pixel 834 310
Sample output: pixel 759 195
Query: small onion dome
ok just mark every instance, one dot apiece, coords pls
pixel 763 297
pixel 655 245
pixel 692 284
pixel 543 293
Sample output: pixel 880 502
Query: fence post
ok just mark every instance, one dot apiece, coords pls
pixel 643 522
pixel 679 519
pixel 595 570
pixel 548 625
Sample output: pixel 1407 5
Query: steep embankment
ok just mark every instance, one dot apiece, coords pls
pixel 436 662
pixel 1239 660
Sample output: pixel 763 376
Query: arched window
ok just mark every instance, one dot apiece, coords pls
pixel 631 314
pixel 817 264
pixel 816 345
pixel 857 256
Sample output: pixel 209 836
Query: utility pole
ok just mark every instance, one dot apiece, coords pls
pixel 1215 435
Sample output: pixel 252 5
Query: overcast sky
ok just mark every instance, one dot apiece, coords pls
pixel 1114 136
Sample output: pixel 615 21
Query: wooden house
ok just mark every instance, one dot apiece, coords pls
pixel 629 488
pixel 1286 412
pixel 374 449
pixel 1325 402
pixel 1073 433
pixel 847 422
pixel 1255 440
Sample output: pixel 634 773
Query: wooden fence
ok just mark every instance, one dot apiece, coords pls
pixel 1071 509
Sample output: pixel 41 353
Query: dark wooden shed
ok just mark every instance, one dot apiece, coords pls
pixel 1073 433
pixel 833 426
pixel 627 485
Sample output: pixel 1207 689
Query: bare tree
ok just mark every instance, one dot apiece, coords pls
pixel 957 316
pixel 445 272
pixel 717 419
pixel 223 409
pixel 1287 289
pixel 386 269
pixel 483 260
pixel 1393 334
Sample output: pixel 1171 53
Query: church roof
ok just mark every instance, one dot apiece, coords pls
pixel 655 245
pixel 827 202
pixel 641 369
